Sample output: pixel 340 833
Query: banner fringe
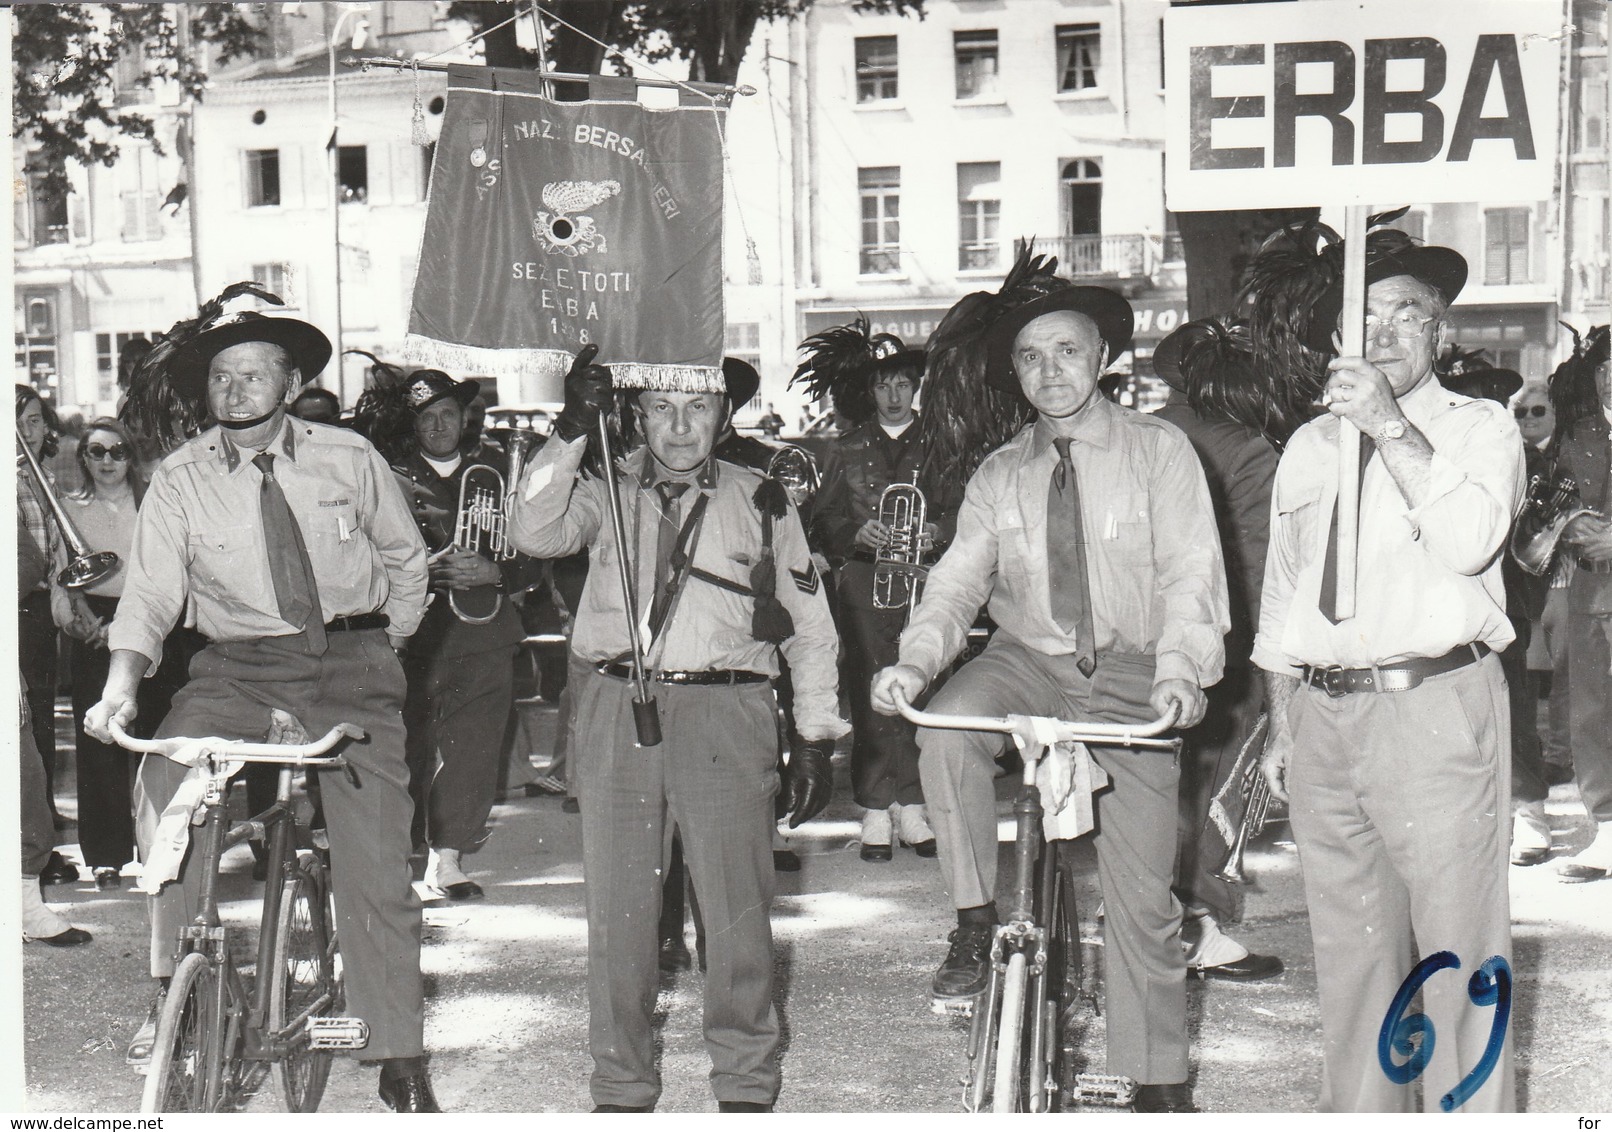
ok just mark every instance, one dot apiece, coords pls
pixel 668 378
pixel 552 364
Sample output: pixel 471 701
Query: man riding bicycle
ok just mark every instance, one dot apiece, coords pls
pixel 1091 536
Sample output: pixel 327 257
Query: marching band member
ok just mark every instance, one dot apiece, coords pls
pixel 721 570
pixel 873 381
pixel 1389 729
pixel 1091 536
pixel 461 662
pixel 295 548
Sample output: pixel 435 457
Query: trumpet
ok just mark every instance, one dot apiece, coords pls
pixel 87 566
pixel 795 468
pixel 1256 792
pixel 482 519
pixel 898 566
pixel 1549 507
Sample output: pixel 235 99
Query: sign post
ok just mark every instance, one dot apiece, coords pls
pixel 1355 103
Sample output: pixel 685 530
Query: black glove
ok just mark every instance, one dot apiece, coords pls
pixel 587 393
pixel 808 780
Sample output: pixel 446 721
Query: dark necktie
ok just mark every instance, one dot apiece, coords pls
pixel 1069 586
pixel 295 589
pixel 671 517
pixel 1329 567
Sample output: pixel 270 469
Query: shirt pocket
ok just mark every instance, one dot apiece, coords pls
pixel 1015 549
pixel 336 547
pixel 220 556
pixel 1299 511
pixel 1124 529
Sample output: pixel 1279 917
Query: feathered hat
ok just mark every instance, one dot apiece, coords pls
pixel 382 414
pixel 162 406
pixel 1471 374
pixel 1573 392
pixel 1211 360
pixel 968 416
pixel 843 362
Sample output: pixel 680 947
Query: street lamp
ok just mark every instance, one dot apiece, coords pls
pixel 360 35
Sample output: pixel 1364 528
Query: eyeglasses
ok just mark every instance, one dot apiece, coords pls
pixel 1405 324
pixel 1525 411
pixel 117 452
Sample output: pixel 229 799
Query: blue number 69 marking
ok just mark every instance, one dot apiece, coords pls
pixel 1490 985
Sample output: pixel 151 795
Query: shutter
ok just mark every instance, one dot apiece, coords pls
pixel 131 216
pixel 1494 246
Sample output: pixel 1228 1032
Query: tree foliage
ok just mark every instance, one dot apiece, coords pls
pixel 64 56
pixel 711 36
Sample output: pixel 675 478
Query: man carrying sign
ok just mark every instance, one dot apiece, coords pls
pixel 1390 729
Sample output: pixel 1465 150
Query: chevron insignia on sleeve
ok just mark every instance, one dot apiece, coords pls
pixel 806 581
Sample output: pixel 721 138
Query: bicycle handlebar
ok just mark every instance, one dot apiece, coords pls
pixel 295 754
pixel 1045 730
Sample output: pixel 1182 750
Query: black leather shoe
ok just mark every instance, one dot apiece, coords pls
pixel 464 890
pixel 411 1093
pixel 107 878
pixel 785 861
pixel 742 1106
pixel 1249 969
pixel 1164 1098
pixel 876 853
pixel 572 806
pixel 58 870
pixel 620 1108
pixel 925 849
pixel 674 956
pixel 967 967
pixel 72 937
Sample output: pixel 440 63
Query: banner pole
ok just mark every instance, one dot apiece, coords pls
pixel 646 715
pixel 718 89
pixel 1352 329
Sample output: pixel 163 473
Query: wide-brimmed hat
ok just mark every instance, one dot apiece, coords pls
pixel 1109 311
pixel 1208 342
pixel 742 381
pixel 1443 269
pixel 309 348
pixel 425 387
pixel 1476 377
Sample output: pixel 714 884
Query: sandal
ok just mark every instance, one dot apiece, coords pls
pixel 145 1038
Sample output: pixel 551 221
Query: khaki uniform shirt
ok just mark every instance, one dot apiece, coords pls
pixel 199 539
pixel 557 513
pixel 1158 584
pixel 1428 578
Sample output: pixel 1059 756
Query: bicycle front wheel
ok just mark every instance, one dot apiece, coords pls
pixel 303 983
pixel 1010 1034
pixel 185 1061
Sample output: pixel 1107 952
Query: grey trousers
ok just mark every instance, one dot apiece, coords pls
pixel 1589 671
pixel 1135 836
pixel 713 775
pixel 38 828
pixel 358 680
pixel 1401 807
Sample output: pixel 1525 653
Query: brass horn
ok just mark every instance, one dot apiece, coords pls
pixel 482 519
pixel 87 566
pixel 898 566
pixel 1549 507
pixel 796 469
pixel 1249 780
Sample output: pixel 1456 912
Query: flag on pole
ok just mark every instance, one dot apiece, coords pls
pixel 554 224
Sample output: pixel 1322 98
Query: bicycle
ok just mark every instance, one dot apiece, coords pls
pixel 212 1030
pixel 1021 1045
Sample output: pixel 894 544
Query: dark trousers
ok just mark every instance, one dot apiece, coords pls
pixel 1209 757
pixel 1528 782
pixel 884 750
pixel 713 776
pixel 357 680
pixel 457 715
pixel 36 657
pixel 38 830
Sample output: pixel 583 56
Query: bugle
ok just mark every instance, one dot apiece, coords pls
pixel 898 565
pixel 1250 780
pixel 86 567
pixel 1550 505
pixel 481 522
pixel 796 469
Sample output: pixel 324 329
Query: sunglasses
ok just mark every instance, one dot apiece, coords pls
pixel 1523 412
pixel 117 452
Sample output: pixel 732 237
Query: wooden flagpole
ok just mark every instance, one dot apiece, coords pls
pixel 1352 327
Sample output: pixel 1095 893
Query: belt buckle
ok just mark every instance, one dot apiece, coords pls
pixel 1331 681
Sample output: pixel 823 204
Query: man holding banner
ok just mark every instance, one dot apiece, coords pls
pixel 1390 729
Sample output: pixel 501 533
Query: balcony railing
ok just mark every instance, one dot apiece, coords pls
pixel 1119 256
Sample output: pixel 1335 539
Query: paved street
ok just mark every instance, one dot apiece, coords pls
pixel 856 944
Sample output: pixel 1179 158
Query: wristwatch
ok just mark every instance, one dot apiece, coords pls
pixel 1392 430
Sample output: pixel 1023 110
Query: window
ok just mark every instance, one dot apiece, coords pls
pixel 979 214
pixel 976 63
pixel 1505 245
pixel 880 190
pixel 1591 89
pixel 875 68
pixel 262 178
pixel 108 352
pixel 276 278
pixel 1079 56
pixel 743 341
pixel 49 213
pixel 352 174
pixel 1082 197
pixel 36 340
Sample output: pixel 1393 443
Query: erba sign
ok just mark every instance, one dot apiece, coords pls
pixel 1328 102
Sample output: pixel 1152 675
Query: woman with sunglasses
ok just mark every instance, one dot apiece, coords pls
pixel 104 513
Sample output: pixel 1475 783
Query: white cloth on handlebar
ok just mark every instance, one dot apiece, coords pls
pixel 186 808
pixel 1076 819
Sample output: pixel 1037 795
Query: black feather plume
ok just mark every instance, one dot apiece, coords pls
pixel 839 362
pixel 382 415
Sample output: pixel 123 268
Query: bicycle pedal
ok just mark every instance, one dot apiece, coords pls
pixel 1104 1088
pixel 337 1033
pixel 953 1007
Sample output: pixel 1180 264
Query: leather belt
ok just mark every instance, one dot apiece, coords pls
pixel 715 677
pixel 356 622
pixel 1604 566
pixel 1402 677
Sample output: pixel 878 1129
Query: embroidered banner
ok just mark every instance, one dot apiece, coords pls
pixel 553 224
